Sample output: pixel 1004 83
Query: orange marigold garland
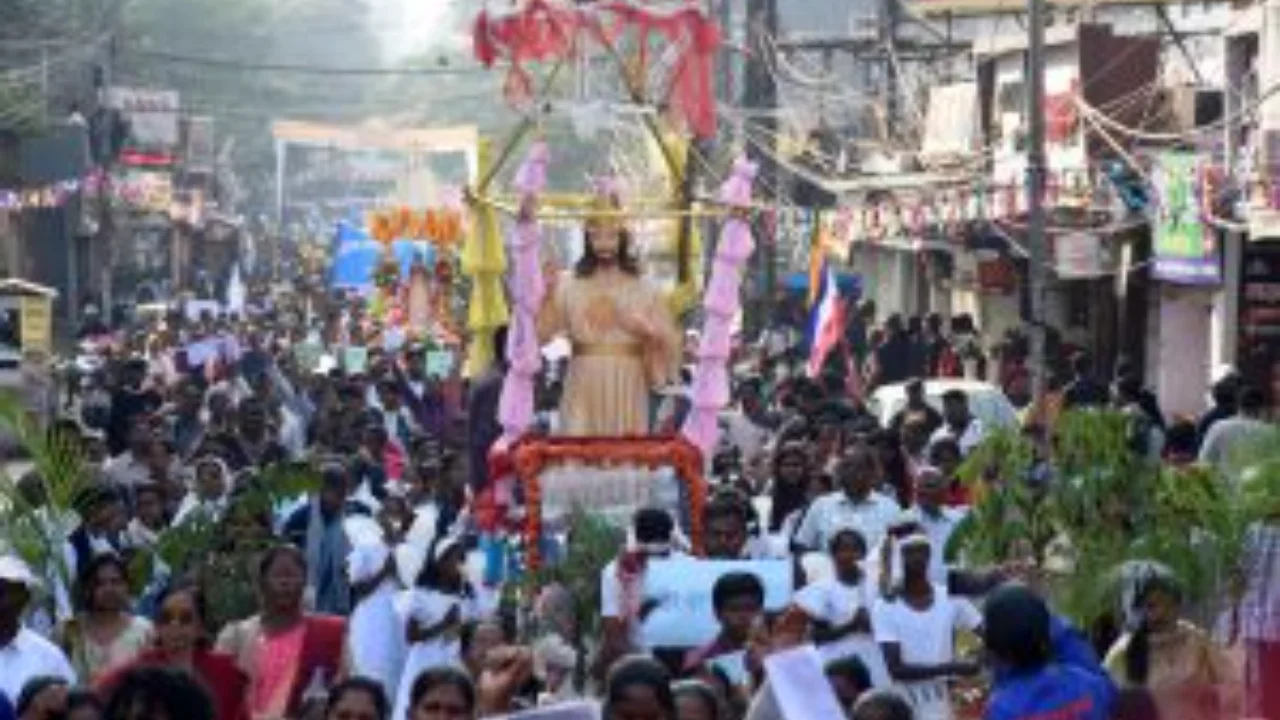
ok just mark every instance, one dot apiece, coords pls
pixel 532 455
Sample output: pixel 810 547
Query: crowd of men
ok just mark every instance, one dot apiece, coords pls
pixel 181 579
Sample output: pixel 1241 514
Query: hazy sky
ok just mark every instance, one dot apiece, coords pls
pixel 408 27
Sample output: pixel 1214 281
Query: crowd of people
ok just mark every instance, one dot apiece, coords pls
pixel 185 580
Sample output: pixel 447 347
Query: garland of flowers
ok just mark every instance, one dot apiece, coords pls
pixel 533 455
pixel 710 389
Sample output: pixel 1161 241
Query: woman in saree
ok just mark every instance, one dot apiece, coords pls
pixel 1178 663
pixel 289 655
pixel 182 642
pixel 104 632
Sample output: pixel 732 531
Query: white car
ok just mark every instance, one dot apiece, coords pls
pixel 987 402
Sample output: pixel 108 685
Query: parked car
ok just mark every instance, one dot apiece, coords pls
pixel 987 402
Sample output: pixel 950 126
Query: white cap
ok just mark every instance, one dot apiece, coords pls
pixel 14 570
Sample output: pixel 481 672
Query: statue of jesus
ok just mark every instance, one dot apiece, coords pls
pixel 625 342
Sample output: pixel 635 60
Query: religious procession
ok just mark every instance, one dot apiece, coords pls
pixel 609 362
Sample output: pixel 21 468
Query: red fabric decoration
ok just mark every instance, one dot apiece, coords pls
pixel 541 32
pixel 1061 114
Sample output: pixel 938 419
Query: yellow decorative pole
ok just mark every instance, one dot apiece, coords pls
pixel 484 261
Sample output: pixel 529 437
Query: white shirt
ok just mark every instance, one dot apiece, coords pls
pixel 925 638
pixel 835 603
pixel 836 511
pixel 31 656
pixel 968 440
pixel 376 638
pixel 1227 437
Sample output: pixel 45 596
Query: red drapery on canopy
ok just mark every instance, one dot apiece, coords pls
pixel 543 31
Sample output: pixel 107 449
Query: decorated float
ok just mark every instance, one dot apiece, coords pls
pixel 603 458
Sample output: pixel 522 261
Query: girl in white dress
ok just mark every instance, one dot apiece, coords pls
pixel 839 607
pixel 433 614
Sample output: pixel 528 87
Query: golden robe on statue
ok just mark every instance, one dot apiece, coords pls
pixel 613 367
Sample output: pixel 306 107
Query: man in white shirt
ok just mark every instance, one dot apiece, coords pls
pixel 23 654
pixel 855 505
pixel 958 423
pixel 1227 438
pixel 623 606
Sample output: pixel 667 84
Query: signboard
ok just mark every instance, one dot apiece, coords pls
pixel 152 114
pixel 355 359
pixel 1258 354
pixel 198 154
pixel 35 319
pixel 1079 256
pixel 685 616
pixel 439 364
pixel 1184 249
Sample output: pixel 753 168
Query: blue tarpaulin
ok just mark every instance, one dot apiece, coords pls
pixel 849 284
pixel 356 255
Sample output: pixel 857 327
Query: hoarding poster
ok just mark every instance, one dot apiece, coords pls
pixel 1184 248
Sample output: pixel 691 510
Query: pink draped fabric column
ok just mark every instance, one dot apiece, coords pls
pixel 710 392
pixel 528 288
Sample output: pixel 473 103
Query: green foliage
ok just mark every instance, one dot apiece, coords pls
pixel 593 543
pixel 1105 506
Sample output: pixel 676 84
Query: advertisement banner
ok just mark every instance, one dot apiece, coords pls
pixel 152 115
pixel 1184 249
pixel 35 321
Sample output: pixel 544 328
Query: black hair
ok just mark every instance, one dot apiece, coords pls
pixel 955 396
pixel 705 694
pixel 787 498
pixel 639 670
pixel 1181 437
pixel 1135 704
pixel 1252 399
pixel 1015 627
pixel 725 504
pixel 841 534
pixel 735 585
pixel 1137 655
pixel 277 551
pixel 82 698
pixel 359 684
pixel 184 586
pixel 429 577
pixel 882 705
pixel 32 689
pixel 653 525
pixel 941 445
pixel 435 677
pixel 159 691
pixel 95 496
pixel 589 263
pixel 87 578
pixel 1226 391
pixel 853 669
pixel 334 476
pixel 1081 363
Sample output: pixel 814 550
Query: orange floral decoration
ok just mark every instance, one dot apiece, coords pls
pixel 532 455
pixel 431 225
pixel 380 228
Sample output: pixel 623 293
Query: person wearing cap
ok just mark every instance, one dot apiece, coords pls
pixel 915 626
pixel 375 642
pixel 23 653
pixel 1031 682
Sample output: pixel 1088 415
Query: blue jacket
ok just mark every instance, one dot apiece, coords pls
pixel 1055 692
pixel 1074 686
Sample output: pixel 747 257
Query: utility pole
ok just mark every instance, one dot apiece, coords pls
pixel 760 100
pixel 1036 237
pixel 888 40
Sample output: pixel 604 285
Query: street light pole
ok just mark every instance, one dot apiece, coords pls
pixel 1036 236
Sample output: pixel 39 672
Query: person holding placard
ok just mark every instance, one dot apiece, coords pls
pixel 738 599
